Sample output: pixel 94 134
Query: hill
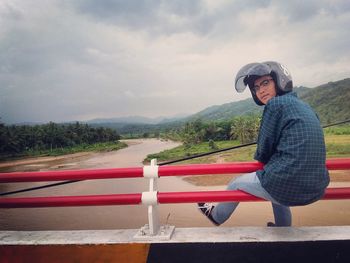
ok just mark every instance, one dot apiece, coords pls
pixel 122 121
pixel 229 110
pixel 331 101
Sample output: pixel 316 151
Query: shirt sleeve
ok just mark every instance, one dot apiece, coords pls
pixel 269 133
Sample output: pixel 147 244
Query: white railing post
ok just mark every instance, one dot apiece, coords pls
pixel 153 230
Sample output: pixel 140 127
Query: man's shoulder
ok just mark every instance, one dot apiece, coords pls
pixel 285 100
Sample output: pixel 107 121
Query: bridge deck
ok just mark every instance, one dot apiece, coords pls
pixel 220 244
pixel 181 235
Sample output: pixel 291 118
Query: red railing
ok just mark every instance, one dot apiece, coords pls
pixel 176 170
pixel 135 199
pixel 162 197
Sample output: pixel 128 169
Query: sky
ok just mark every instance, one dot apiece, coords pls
pixel 63 60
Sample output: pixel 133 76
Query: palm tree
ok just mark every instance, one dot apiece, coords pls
pixel 239 129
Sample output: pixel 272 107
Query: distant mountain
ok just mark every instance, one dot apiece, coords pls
pixel 176 118
pixel 130 119
pixel 331 101
pixel 137 120
pixel 138 124
pixel 229 110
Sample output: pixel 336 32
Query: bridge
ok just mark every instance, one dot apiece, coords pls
pixel 154 242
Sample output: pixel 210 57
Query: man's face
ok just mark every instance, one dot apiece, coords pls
pixel 265 88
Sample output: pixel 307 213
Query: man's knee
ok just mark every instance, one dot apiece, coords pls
pixel 242 182
pixel 233 185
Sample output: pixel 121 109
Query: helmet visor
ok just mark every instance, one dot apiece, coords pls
pixel 240 84
pixel 249 73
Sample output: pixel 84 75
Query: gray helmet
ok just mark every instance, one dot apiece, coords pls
pixel 250 72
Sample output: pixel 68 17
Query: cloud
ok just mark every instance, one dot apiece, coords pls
pixel 77 60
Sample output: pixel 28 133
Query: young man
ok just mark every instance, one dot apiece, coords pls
pixel 290 145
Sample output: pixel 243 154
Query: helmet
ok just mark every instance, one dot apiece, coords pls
pixel 250 72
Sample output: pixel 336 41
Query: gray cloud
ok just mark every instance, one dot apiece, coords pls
pixel 165 16
pixel 77 60
pixel 153 16
pixel 126 13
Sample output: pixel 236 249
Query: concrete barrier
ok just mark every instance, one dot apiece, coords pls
pixel 221 244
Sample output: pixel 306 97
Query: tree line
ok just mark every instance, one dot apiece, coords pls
pixel 16 139
pixel 242 128
pixel 19 139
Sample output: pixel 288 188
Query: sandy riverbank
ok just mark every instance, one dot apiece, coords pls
pixel 50 160
pixel 45 159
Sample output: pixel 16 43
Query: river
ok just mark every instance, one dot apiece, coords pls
pixel 135 216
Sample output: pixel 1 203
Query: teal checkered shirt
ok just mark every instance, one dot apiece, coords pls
pixel 291 145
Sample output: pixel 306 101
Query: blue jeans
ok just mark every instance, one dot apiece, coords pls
pixel 250 183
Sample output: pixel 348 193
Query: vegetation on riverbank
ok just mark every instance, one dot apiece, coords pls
pixel 97 147
pixel 55 139
pixel 338 130
pixel 186 151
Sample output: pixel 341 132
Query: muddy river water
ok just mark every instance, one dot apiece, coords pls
pixel 134 216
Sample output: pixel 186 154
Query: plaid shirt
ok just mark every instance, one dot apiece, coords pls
pixel 291 145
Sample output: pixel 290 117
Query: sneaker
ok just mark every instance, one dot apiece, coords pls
pixel 271 224
pixel 206 209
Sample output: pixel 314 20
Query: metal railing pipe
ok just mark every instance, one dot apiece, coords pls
pixel 206 196
pixel 71 175
pixel 237 195
pixel 338 164
pixel 60 201
pixel 163 198
pixel 204 169
pixel 171 170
